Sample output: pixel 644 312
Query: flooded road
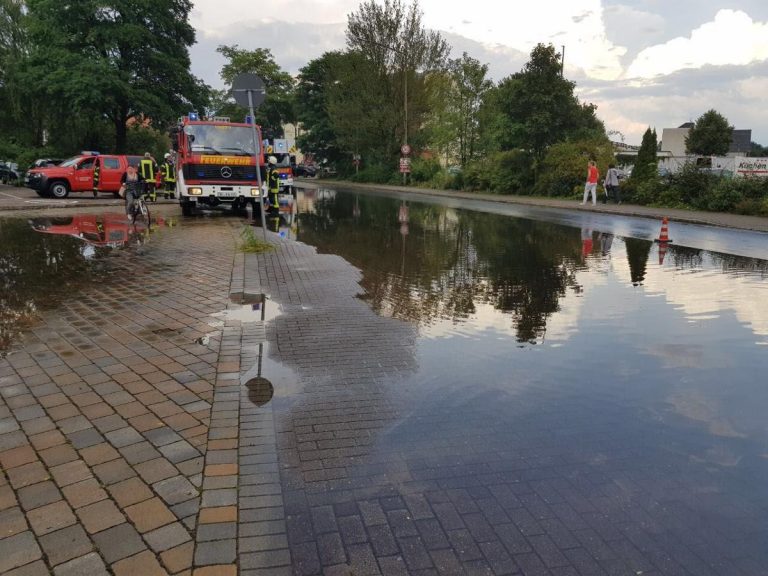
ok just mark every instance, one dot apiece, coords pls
pixel 455 388
pixel 580 394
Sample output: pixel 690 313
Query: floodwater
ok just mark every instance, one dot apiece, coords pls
pixel 549 392
pixel 601 396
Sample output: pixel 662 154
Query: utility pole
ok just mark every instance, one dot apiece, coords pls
pixel 562 63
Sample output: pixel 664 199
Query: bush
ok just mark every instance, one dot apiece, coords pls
pixel 477 175
pixel 512 172
pixel 564 169
pixel 424 170
pixel 375 174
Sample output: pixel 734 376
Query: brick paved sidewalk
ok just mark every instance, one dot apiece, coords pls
pixel 105 407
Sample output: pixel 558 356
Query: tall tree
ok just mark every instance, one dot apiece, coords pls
pixel 646 164
pixel 536 107
pixel 125 60
pixel 711 135
pixel 392 36
pixel 315 79
pixel 278 107
pixel 455 100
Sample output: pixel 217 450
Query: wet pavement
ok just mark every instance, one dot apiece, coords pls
pixel 411 388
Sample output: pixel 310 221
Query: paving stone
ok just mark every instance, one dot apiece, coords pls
pixel 167 537
pixel 18 550
pixel 100 516
pixel 84 493
pixel 156 470
pixel 27 474
pixel 143 563
pixel 65 544
pixel 178 558
pixel 119 542
pixel 149 515
pixel 37 568
pixel 179 451
pixel 175 490
pixel 113 472
pixel 130 491
pixel 70 473
pixel 220 531
pixel 88 565
pixel 221 570
pixel 219 552
pixel 38 495
pixel 51 517
pixel 123 437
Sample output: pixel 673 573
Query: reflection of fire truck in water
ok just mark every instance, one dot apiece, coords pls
pixel 216 163
pixel 285 162
pixel 110 230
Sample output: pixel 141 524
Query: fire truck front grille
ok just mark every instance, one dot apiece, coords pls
pixel 217 172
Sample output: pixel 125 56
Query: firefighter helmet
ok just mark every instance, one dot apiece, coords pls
pixel 272 160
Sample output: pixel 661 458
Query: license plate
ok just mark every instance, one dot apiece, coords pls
pixel 227 193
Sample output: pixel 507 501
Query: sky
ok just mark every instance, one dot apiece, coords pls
pixel 644 63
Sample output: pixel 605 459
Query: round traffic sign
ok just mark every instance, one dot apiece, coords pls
pixel 405 149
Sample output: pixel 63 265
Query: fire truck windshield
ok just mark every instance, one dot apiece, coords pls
pixel 220 139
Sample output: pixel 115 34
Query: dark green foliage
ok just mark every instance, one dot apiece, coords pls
pixel 278 107
pixel 512 172
pixel 536 108
pixel 710 136
pixel 646 164
pixel 424 170
pixel 563 171
pixel 82 71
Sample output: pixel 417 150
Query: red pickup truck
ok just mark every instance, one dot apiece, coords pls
pixel 76 175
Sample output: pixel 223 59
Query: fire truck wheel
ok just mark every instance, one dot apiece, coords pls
pixel 59 190
pixel 187 208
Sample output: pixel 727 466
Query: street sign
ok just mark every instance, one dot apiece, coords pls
pixel 405 165
pixel 245 83
pixel 405 149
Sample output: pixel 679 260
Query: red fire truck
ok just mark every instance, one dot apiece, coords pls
pixel 216 163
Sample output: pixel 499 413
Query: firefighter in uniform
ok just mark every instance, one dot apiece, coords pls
pixel 273 184
pixel 96 176
pixel 148 171
pixel 169 176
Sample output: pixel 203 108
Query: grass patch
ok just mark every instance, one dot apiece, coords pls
pixel 250 244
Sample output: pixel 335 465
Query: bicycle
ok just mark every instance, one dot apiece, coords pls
pixel 140 208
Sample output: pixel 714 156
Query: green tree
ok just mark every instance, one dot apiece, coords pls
pixel 646 164
pixel 711 135
pixel 456 98
pixel 403 52
pixel 278 106
pixel 536 107
pixel 318 136
pixel 122 60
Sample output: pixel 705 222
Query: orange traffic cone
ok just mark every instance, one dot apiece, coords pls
pixel 664 235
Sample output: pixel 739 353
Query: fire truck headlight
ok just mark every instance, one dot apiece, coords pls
pixel 195 191
pixel 254 191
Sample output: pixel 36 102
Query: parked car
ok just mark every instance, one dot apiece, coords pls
pixel 45 163
pixel 76 175
pixel 8 175
pixel 305 170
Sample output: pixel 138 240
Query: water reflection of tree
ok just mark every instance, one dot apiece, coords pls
pixel 690 258
pixel 637 255
pixel 449 262
pixel 36 270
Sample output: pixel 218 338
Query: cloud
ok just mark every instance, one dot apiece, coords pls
pixel 731 38
pixel 735 91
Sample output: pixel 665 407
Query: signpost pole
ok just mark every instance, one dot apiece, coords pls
pixel 259 157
